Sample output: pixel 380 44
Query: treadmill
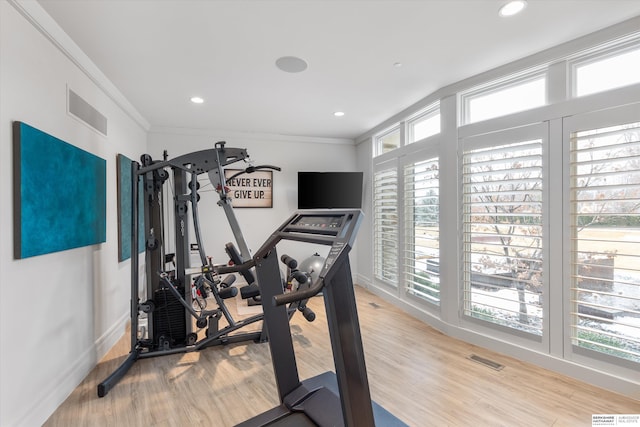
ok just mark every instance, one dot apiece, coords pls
pixel 340 399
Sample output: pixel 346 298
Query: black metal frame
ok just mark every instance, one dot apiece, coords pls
pixel 175 287
pixel 352 406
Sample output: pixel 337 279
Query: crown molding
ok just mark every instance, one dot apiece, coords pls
pixel 44 23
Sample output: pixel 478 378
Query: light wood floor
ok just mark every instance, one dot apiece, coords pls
pixel 420 375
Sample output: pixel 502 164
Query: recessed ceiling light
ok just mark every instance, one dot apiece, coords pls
pixel 512 8
pixel 338 113
pixel 291 64
pixel 397 64
pixel 197 100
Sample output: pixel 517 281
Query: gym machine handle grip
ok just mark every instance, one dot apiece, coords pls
pixel 299 295
pixel 237 268
pixel 252 169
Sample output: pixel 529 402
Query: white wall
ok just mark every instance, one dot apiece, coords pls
pixel 61 312
pixel 290 153
pixel 364 257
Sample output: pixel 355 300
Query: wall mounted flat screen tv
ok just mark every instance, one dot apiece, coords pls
pixel 330 190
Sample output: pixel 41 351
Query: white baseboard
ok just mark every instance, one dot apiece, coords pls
pixel 56 392
pixel 105 342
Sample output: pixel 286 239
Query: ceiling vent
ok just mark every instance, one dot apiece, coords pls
pixel 82 110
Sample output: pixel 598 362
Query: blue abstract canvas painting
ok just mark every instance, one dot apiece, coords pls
pixel 60 194
pixel 124 209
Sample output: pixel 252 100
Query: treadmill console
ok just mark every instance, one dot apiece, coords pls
pixel 317 224
pixel 336 228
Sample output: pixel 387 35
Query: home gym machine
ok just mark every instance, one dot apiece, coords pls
pixel 176 296
pixel 342 399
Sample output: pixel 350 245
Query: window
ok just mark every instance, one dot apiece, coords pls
pixel 608 72
pixel 424 125
pixel 385 218
pixel 504 98
pixel 605 244
pixel 422 218
pixel 390 140
pixel 502 206
pixel 516 226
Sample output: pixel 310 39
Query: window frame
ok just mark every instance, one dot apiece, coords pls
pixel 430 152
pixel 597 54
pixel 378 278
pixel 495 86
pixel 424 114
pixel 499 138
pixel 584 122
pixel 397 127
pixel 405 129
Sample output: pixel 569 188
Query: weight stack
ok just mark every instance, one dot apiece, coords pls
pixel 169 318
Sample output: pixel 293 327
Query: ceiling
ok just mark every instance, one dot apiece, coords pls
pixel 160 53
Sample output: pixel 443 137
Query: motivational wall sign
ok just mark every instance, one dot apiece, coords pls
pixel 250 190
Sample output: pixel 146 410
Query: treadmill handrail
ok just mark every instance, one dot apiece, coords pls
pixel 299 295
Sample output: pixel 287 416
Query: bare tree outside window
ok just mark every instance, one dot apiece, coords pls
pixel 502 188
pixel 605 190
pixel 422 233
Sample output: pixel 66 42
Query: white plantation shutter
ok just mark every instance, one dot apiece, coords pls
pixel 502 237
pixel 421 260
pixel 385 218
pixel 605 240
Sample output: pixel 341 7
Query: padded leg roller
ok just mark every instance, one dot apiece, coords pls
pixel 228 281
pixel 250 291
pixel 226 293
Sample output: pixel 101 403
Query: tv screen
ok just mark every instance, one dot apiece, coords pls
pixel 330 190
